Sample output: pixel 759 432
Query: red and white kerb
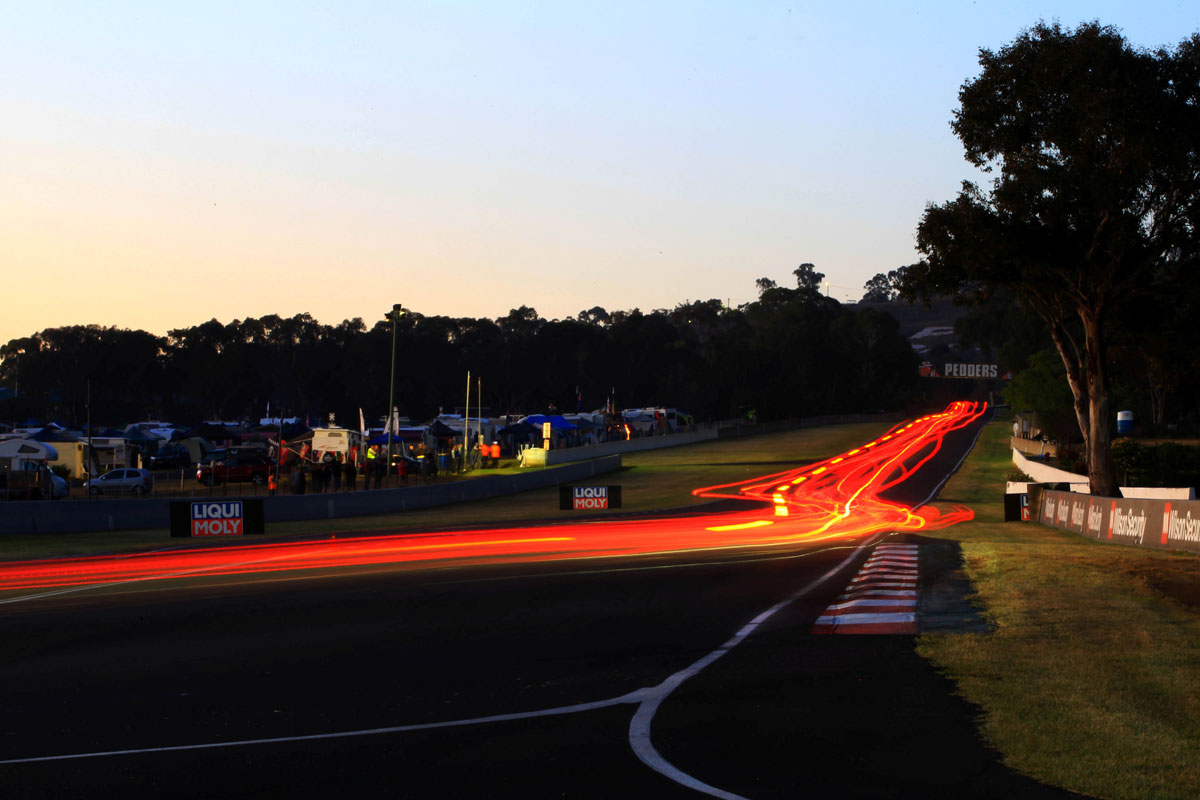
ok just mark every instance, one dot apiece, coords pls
pixel 882 598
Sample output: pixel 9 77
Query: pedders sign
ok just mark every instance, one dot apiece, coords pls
pixel 589 498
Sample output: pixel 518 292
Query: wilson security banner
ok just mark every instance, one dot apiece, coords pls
pixel 1170 524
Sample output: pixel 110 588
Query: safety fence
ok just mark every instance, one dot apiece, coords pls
pixel 37 517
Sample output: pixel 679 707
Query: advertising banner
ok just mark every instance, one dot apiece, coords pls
pixel 217 517
pixel 589 498
pixel 1170 524
pixel 962 370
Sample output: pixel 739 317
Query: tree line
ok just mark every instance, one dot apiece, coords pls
pixel 792 352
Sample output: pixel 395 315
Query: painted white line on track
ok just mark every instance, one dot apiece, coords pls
pixel 893 604
pixel 841 620
pixel 632 697
pixel 639 726
pixel 638 696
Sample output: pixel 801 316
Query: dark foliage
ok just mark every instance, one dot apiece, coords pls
pixel 793 352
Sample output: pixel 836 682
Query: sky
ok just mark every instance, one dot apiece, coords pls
pixel 163 164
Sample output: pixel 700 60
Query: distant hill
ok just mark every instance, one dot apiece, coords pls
pixel 930 331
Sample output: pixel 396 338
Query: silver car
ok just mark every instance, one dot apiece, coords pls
pixel 122 481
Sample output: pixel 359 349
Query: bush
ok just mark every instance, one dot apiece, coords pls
pixel 62 471
pixel 1167 464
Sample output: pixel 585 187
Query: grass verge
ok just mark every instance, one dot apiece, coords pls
pixel 1090 679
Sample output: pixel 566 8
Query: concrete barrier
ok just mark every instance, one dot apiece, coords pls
pixel 1034 447
pixel 536 457
pixel 1157 493
pixel 107 515
pixel 1042 473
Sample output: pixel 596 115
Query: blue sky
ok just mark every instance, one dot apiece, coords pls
pixel 164 164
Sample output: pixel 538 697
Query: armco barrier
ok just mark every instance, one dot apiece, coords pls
pixel 57 516
pixel 1171 525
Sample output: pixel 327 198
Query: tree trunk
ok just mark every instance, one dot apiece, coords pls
pixel 1079 390
pixel 1102 473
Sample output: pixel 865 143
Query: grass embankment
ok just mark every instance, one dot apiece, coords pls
pixel 650 480
pixel 1091 677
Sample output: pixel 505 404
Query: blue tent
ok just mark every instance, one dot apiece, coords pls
pixel 557 422
pixel 383 439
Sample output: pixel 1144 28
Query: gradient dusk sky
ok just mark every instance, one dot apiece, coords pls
pixel 164 164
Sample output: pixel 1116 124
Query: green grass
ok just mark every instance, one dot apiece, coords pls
pixel 650 480
pixel 1090 679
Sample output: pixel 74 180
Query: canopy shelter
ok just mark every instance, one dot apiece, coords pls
pixel 520 429
pixel 443 431
pixel 49 434
pixel 557 422
pixel 402 435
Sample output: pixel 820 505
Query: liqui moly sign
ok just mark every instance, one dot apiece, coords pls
pixel 213 518
pixel 589 498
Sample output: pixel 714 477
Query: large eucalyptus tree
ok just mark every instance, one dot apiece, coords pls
pixel 1092 151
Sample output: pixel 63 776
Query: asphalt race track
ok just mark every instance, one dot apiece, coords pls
pixel 589 666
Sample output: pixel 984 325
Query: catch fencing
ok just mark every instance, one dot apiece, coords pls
pixel 47 516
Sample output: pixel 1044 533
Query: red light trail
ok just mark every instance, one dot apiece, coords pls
pixel 834 498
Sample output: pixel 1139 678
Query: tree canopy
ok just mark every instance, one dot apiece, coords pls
pixel 792 353
pixel 1093 148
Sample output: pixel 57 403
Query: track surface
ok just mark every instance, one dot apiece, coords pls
pixel 352 677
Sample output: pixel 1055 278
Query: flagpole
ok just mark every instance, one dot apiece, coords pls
pixel 466 420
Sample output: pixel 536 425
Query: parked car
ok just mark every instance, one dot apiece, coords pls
pixel 122 481
pixel 171 457
pixel 236 468
pixel 59 487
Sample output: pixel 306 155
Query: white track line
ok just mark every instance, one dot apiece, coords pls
pixel 632 697
pixel 639 726
pixel 636 696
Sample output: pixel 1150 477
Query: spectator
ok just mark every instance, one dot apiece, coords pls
pixel 297 478
pixel 379 468
pixel 333 472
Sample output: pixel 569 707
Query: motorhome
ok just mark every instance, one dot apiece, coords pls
pixel 23 471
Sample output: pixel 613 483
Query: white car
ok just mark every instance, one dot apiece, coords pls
pixel 122 481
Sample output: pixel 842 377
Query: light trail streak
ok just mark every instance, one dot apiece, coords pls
pixel 831 499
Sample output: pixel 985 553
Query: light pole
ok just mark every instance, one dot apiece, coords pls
pixel 395 315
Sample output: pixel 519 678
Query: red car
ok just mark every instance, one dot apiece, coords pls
pixel 237 468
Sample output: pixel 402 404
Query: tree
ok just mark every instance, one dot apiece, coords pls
pixel 807 277
pixel 880 289
pixel 1040 388
pixel 1096 150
